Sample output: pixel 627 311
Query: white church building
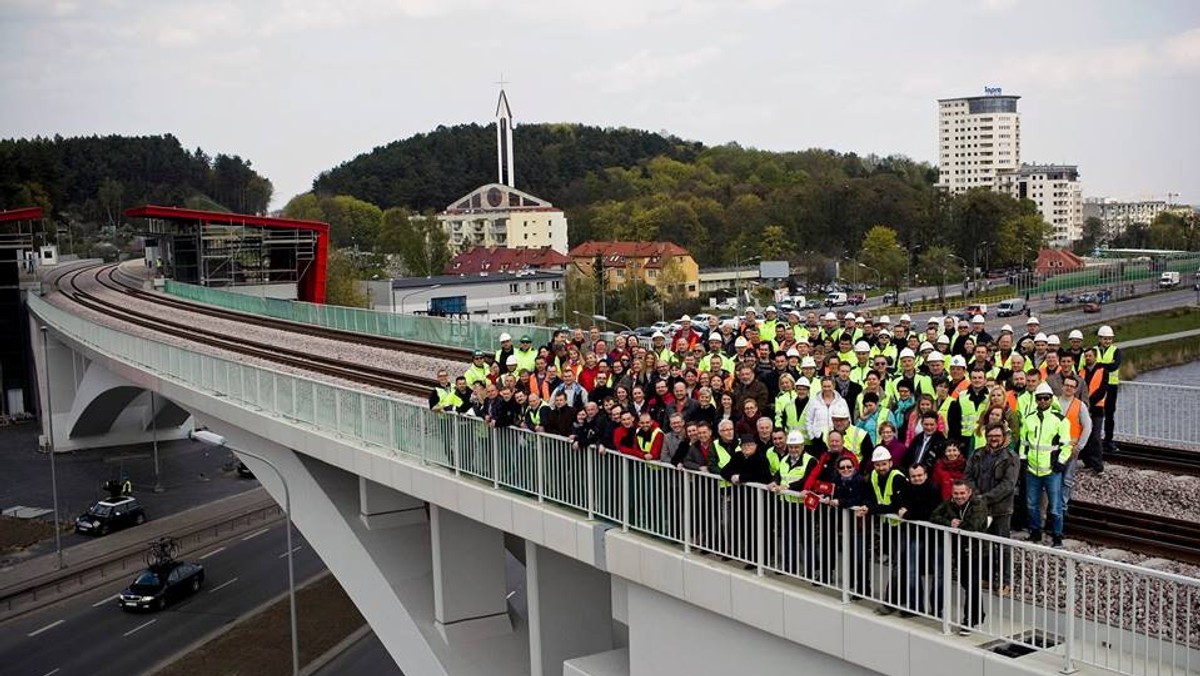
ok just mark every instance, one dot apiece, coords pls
pixel 497 214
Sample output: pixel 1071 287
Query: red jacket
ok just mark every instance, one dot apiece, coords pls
pixel 946 473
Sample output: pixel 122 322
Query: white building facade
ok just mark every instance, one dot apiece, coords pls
pixel 1056 190
pixel 521 299
pixel 978 137
pixel 1118 216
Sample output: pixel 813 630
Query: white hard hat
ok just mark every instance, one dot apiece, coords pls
pixel 504 338
pixel 751 309
pixel 770 308
pixel 1075 334
pixel 963 322
pixel 909 353
pixel 861 346
pixel 803 382
pixel 829 317
pixel 936 356
pixel 808 363
pixel 792 352
pixel 741 342
pixel 794 312
pixel 925 345
pixel 512 359
pixel 884 320
pixel 657 334
pixel 1041 338
pixel 978 319
pixel 905 318
pixel 934 320
pixel 850 315
pixel 685 318
pixel 1053 339
pixel 959 361
pixel 1105 331
pixel 943 339
pixel 715 336
pixel 881 454
pixel 839 409
pixel 795 438
pixel 1007 328
pixel 1032 320
pixel 1043 388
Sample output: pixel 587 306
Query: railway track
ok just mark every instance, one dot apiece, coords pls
pixel 386 379
pixel 1149 534
pixel 1173 460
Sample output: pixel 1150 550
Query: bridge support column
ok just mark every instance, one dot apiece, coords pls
pixel 570 609
pixel 469 591
pixel 381 507
pixel 61 362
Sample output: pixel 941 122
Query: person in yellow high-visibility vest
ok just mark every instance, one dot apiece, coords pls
pixel 886 483
pixel 1046 436
pixel 798 525
pixel 1110 358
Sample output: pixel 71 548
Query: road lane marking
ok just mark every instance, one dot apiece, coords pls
pixel 101 602
pixel 141 626
pixel 218 550
pixel 45 628
pixel 294 550
pixel 53 671
pixel 222 586
pixel 256 534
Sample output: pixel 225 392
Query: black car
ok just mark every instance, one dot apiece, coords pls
pixel 111 514
pixel 158 586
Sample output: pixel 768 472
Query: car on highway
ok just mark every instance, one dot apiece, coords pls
pixel 889 297
pixel 158 586
pixel 111 514
pixel 1091 307
pixel 857 299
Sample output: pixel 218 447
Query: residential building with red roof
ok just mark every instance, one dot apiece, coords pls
pixel 655 263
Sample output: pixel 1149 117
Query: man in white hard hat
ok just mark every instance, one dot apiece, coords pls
pixel 795 534
pixel 884 487
pixel 1110 357
pixel 767 329
pixel 862 357
pixel 979 330
pixel 1032 328
pixel 1075 345
pixel 505 351
pixel 1046 439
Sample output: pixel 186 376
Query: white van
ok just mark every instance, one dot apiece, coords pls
pixel 1010 307
pixel 835 298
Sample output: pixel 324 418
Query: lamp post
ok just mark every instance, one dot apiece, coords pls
pixel 602 318
pixel 908 274
pixel 411 293
pixel 213 439
pixel 158 487
pixel 50 437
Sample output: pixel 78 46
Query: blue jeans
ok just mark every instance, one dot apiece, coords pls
pixel 1053 484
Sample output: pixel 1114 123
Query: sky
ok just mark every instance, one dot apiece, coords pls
pixel 300 86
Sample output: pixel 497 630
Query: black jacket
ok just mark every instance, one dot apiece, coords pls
pixel 752 469
pixel 933 451
pixel 920 501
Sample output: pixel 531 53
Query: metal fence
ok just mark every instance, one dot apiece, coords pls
pixel 1158 413
pixel 463 333
pixel 1083 609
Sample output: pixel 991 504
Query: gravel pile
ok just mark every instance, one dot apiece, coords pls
pixel 398 361
pixel 1144 490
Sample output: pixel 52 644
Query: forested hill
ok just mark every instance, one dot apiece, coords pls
pixel 429 171
pixel 95 178
pixel 629 184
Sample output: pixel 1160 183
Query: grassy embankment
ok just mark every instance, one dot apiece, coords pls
pixel 1155 355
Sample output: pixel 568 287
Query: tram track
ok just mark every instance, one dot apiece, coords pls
pixel 386 379
pixel 1150 534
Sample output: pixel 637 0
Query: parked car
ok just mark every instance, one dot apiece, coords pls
pixel 158 586
pixel 111 514
pixel 857 299
pixel 1091 307
pixel 1063 299
pixel 1086 298
pixel 835 298
pixel 977 309
pixel 890 297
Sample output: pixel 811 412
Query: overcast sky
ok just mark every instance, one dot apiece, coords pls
pixel 300 86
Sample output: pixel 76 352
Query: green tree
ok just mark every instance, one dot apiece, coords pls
pixel 305 206
pixel 938 266
pixel 110 194
pixel 1093 236
pixel 342 282
pixel 775 244
pixel 1168 231
pixel 881 251
pixel 352 222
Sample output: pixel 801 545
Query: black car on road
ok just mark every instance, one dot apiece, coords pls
pixel 158 586
pixel 111 514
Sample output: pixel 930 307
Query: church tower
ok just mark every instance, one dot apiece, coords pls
pixel 504 141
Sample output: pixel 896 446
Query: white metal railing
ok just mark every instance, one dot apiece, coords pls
pixel 1084 609
pixel 1158 413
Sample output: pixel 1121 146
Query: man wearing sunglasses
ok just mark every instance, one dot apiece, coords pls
pixel 1046 437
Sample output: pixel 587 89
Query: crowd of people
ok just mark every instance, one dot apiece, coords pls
pixel 953 422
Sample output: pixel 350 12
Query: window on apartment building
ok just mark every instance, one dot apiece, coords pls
pixel 556 285
pixel 513 288
pixel 541 286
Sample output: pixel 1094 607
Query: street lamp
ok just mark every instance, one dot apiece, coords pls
pixel 49 413
pixel 410 293
pixel 909 258
pixel 602 318
pixel 213 439
pixel 878 277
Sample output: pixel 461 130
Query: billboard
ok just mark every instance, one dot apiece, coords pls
pixel 774 270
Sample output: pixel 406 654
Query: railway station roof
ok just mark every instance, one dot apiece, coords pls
pixel 222 218
pixel 22 214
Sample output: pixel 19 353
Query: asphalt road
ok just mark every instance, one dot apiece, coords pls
pixel 90 635
pixel 191 475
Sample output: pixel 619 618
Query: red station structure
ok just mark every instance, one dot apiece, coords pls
pixel 215 249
